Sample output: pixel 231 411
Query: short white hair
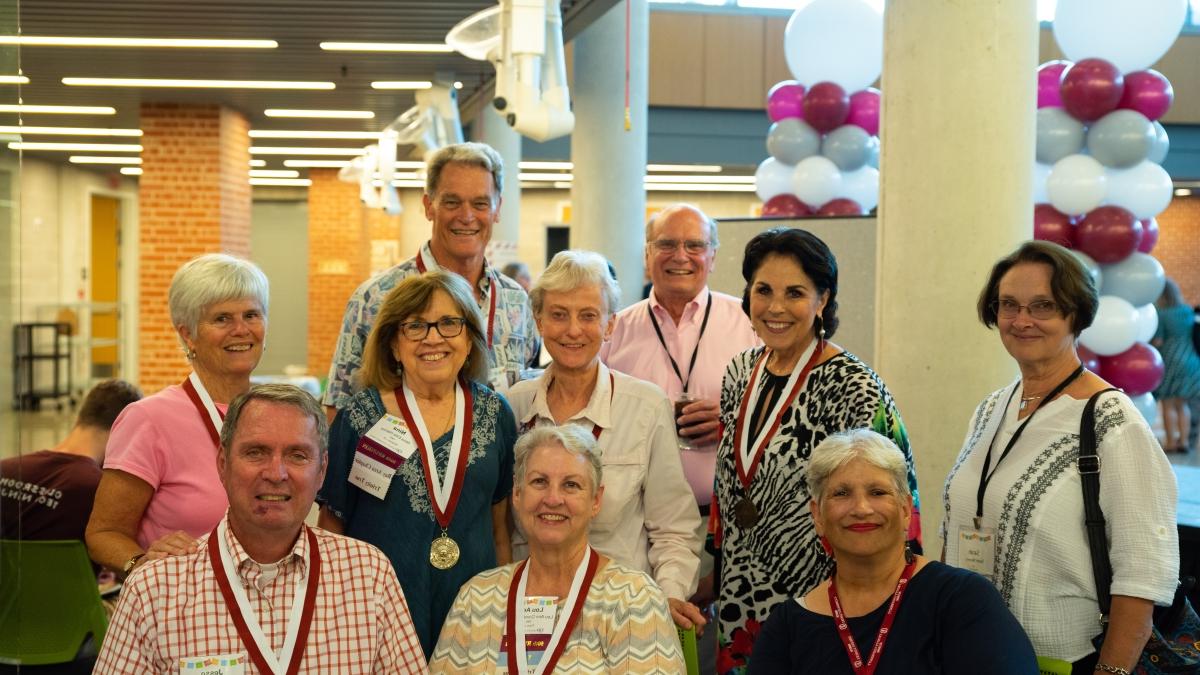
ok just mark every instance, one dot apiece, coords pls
pixel 839 449
pixel 571 270
pixel 571 437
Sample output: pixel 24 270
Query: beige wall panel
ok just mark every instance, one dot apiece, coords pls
pixel 775 68
pixel 733 61
pixel 676 64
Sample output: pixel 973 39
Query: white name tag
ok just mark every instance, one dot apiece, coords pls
pixel 539 614
pixel 392 433
pixel 379 453
pixel 977 550
pixel 221 664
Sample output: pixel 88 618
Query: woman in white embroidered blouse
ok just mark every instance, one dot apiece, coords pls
pixel 1014 503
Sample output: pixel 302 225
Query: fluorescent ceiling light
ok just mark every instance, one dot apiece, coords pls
pixel 281 182
pixel 14 79
pixel 258 162
pixel 545 176
pixel 699 187
pixel 282 150
pixel 85 147
pixel 1183 192
pixel 328 114
pixel 749 180
pixel 402 84
pixel 457 85
pixel 201 84
pixel 339 163
pixel 328 135
pixel 131 170
pixel 59 109
pixel 567 166
pixel 696 168
pixel 51 41
pixel 274 173
pixel 420 47
pixel 96 159
pixel 67 131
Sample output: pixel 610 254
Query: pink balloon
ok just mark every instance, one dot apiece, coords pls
pixel 1147 92
pixel 1108 234
pixel 826 106
pixel 1091 89
pixel 1049 77
pixel 1149 235
pixel 1050 224
pixel 840 207
pixel 1088 358
pixel 864 110
pixel 786 205
pixel 1137 370
pixel 786 99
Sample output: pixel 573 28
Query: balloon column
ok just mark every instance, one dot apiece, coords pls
pixel 1099 182
pixel 824 140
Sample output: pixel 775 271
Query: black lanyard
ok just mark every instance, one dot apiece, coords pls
pixel 985 477
pixel 695 351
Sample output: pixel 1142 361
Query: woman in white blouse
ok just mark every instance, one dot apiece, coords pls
pixel 648 518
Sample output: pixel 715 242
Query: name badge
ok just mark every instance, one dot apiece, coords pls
pixel 977 550
pixel 537 619
pixel 221 664
pixel 379 453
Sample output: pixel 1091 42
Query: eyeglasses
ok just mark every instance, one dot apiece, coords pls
pixel 1039 309
pixel 447 327
pixel 692 246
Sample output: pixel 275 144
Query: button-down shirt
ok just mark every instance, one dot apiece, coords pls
pixel 514 334
pixel 172 609
pixel 634 348
pixel 647 519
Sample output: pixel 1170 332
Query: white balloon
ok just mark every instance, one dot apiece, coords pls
pixel 835 41
pixel 862 186
pixel 1040 173
pixel 1113 330
pixel 1132 34
pixel 1147 406
pixel 1147 322
pixel 1076 184
pixel 1145 190
pixel 773 177
pixel 816 180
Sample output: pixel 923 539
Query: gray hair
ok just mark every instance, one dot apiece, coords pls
pixel 209 279
pixel 571 437
pixel 283 394
pixel 839 449
pixel 481 155
pixel 673 209
pixel 572 270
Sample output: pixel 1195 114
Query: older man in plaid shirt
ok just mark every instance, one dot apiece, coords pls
pixel 265 593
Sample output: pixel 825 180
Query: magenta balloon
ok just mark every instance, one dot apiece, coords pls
pixel 1050 224
pixel 1049 76
pixel 1147 92
pixel 1091 89
pixel 1108 234
pixel 786 205
pixel 864 110
pixel 1088 358
pixel 786 99
pixel 1149 235
pixel 826 106
pixel 840 207
pixel 1137 370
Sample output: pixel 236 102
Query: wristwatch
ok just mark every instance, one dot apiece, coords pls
pixel 133 560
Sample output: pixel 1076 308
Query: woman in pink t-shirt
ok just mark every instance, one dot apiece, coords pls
pixel 160 490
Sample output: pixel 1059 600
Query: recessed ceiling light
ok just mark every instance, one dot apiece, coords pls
pixel 330 114
pixel 545 176
pixel 52 41
pixel 458 85
pixel 340 135
pixel 349 152
pixel 566 166
pixel 339 163
pixel 403 84
pixel 201 84
pixel 258 162
pixel 282 182
pixel 695 168
pixel 67 131
pixel 699 187
pixel 86 147
pixel 274 173
pixel 701 179
pixel 422 47
pixel 97 159
pixel 59 109
pixel 14 79
pixel 131 170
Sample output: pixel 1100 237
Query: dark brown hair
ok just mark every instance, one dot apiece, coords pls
pixel 1071 285
pixel 813 256
pixel 104 402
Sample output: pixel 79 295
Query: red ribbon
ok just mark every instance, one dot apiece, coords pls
pixel 427 460
pixel 510 623
pixel 194 395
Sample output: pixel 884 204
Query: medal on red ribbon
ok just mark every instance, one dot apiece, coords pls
pixel 572 608
pixel 843 629
pixel 493 289
pixel 443 491
pixel 209 414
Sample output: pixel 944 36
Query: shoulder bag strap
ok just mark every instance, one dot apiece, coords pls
pixel 1089 475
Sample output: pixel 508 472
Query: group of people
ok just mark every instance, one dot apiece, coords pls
pixel 689 451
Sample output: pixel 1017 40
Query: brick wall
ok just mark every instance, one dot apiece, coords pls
pixel 194 198
pixel 1178 246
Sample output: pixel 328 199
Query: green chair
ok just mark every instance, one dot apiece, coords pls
pixel 49 602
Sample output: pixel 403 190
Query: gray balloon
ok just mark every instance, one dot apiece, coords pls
pixel 1058 135
pixel 848 146
pixel 1139 279
pixel 1121 139
pixel 1092 267
pixel 1158 151
pixel 791 140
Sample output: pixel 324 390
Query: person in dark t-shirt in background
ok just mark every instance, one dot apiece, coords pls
pixel 49 494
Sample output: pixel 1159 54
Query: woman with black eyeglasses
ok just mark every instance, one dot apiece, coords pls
pixel 1015 510
pixel 421 459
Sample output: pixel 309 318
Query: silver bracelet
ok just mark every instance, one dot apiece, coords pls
pixel 1104 667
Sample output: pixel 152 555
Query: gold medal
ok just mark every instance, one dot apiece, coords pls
pixel 443 552
pixel 745 514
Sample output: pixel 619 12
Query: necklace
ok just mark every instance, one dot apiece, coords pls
pixel 1026 400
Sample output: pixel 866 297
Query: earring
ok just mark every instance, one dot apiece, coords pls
pixel 908 554
pixel 189 353
pixel 820 327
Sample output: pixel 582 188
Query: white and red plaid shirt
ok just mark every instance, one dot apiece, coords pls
pixel 172 609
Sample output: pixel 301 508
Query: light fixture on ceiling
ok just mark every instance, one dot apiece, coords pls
pixel 281 182
pixel 283 150
pixel 545 177
pixel 402 84
pixel 325 114
pixel 14 79
pixel 83 147
pixel 566 166
pixel 131 170
pixel 274 173
pixel 193 84
pixel 58 109
pixel 258 162
pixel 326 135
pixel 67 131
pixel 696 168
pixel 699 187
pixel 97 159
pixel 681 178
pixel 417 47
pixel 339 163
pixel 1183 192
pixel 59 41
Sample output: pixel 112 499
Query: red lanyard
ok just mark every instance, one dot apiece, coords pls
pixel 493 283
pixel 562 633
pixel 839 618
pixel 190 390
pixel 443 513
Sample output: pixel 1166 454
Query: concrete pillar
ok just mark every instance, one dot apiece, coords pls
pixel 490 128
pixel 608 197
pixel 958 152
pixel 193 198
